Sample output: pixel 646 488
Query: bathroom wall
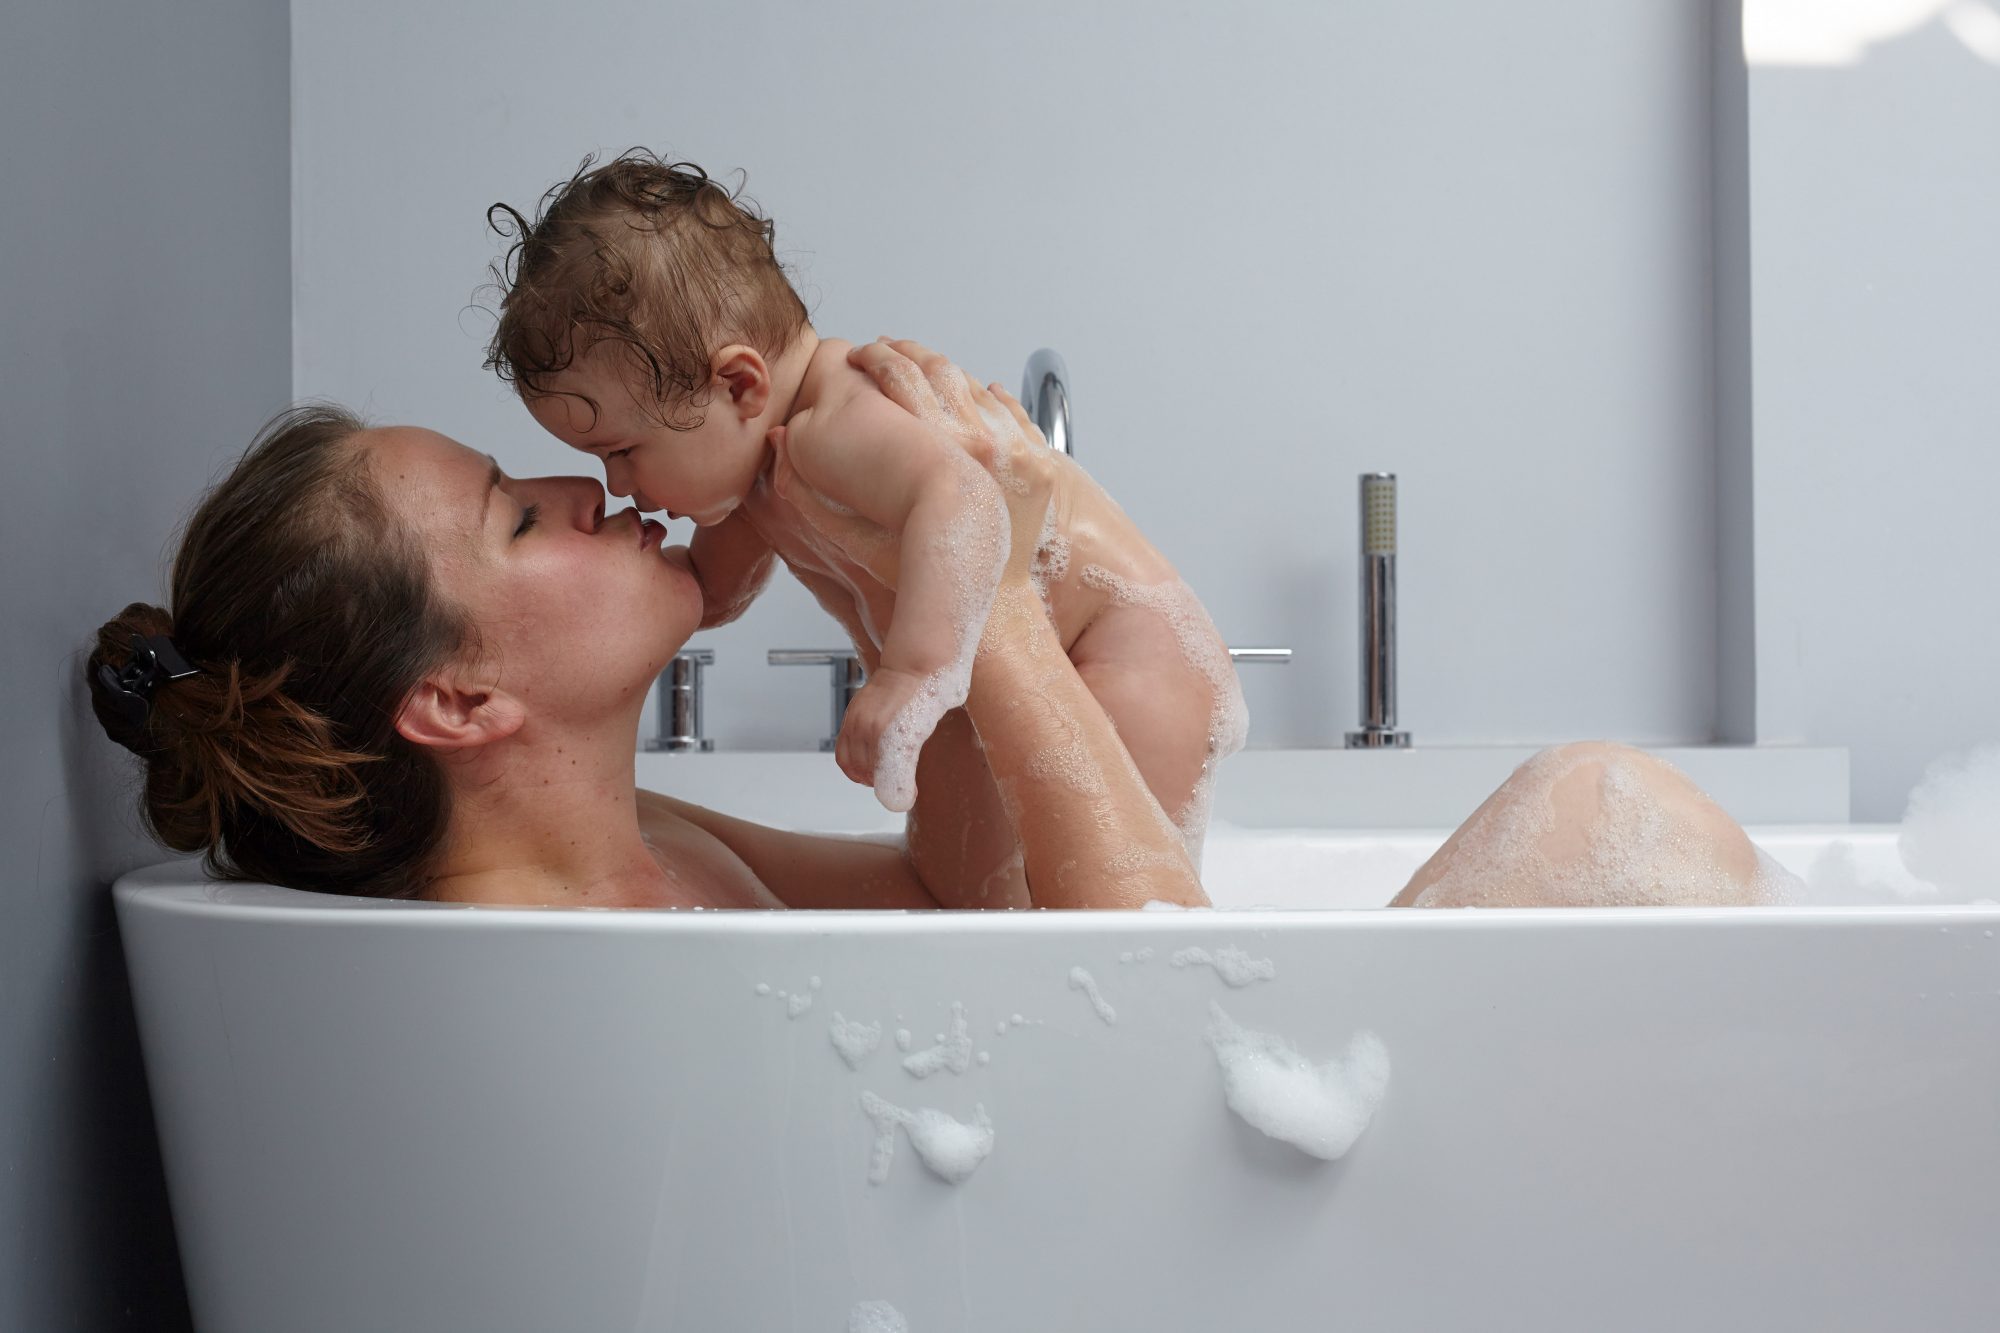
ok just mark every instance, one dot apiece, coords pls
pixel 1278 243
pixel 143 261
pixel 1686 362
pixel 1875 208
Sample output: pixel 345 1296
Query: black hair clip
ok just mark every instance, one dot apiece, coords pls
pixel 154 659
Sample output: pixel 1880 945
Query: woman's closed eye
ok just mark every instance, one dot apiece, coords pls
pixel 529 517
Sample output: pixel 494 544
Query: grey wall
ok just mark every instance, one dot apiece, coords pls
pixel 1279 243
pixel 144 276
pixel 1875 207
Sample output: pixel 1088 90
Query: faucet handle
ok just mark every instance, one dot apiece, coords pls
pixel 847 673
pixel 679 726
pixel 1278 655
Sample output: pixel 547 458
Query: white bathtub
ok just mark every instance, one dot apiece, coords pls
pixel 380 1117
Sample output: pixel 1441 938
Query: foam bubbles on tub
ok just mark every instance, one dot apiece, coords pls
pixel 1233 965
pixel 952 1149
pixel 855 1040
pixel 876 1317
pixel 1948 836
pixel 1318 1109
pixel 1081 980
pixel 953 1050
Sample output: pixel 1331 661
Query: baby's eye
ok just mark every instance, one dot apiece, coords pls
pixel 620 453
pixel 529 517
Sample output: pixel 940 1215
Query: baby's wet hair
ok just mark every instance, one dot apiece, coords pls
pixel 650 257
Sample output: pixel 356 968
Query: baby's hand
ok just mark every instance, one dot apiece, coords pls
pixel 888 720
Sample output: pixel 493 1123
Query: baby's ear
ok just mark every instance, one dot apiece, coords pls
pixel 743 372
pixel 449 710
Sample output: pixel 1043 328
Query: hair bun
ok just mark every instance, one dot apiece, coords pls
pixel 113 651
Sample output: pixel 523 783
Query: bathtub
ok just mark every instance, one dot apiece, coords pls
pixel 381 1117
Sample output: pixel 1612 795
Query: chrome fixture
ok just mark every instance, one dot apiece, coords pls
pixel 1278 655
pixel 678 729
pixel 1378 617
pixel 848 678
pixel 1045 394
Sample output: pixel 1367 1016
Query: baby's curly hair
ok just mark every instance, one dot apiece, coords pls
pixel 650 255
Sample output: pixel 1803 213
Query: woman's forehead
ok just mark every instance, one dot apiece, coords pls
pixel 430 476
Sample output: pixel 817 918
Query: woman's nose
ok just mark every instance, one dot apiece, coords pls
pixel 583 498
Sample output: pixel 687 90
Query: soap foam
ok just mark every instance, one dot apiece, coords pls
pixel 1052 553
pixel 1083 981
pixel 1510 853
pixel 953 1051
pixel 975 546
pixel 1951 828
pixel 876 1317
pixel 855 1040
pixel 1203 649
pixel 952 1149
pixel 1318 1109
pixel 1232 964
pixel 1836 878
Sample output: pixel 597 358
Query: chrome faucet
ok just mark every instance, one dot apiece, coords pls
pixel 1378 617
pixel 679 722
pixel 1045 394
pixel 848 676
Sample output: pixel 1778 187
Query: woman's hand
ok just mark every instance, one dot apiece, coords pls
pixel 986 422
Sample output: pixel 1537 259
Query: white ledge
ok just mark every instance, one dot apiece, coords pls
pixel 1428 787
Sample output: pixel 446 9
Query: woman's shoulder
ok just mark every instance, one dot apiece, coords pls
pixel 699 860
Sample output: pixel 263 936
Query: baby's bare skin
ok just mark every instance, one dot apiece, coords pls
pixel 1140 642
pixel 888 481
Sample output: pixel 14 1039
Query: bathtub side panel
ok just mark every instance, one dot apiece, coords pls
pixel 1776 1122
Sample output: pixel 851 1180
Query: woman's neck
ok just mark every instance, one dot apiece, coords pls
pixel 551 819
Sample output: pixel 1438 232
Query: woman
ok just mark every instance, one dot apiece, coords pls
pixel 392 670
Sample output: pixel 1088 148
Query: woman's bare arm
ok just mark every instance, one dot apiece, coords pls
pixel 805 870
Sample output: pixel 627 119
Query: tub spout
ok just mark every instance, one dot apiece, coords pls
pixel 1045 395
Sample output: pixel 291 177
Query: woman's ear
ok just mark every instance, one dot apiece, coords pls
pixel 747 378
pixel 450 710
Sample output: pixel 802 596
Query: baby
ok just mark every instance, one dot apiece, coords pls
pixel 646 321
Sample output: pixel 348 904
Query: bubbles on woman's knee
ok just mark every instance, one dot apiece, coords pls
pixel 1598 826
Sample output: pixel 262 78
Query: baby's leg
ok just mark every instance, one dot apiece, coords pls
pixel 1595 825
pixel 958 834
pixel 1176 716
pixel 1155 662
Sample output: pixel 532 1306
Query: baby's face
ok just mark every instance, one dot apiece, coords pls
pixel 701 474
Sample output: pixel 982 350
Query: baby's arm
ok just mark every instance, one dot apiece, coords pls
pixel 873 457
pixel 732 562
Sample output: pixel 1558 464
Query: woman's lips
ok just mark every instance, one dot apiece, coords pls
pixel 651 534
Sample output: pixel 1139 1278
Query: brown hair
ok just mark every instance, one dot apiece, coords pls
pixel 309 615
pixel 649 255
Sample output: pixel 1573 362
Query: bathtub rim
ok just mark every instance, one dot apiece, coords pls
pixel 180 889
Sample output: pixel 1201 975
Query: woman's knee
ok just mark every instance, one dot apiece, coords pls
pixel 1593 822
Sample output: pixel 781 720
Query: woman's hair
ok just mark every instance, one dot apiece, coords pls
pixel 309 615
pixel 648 255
